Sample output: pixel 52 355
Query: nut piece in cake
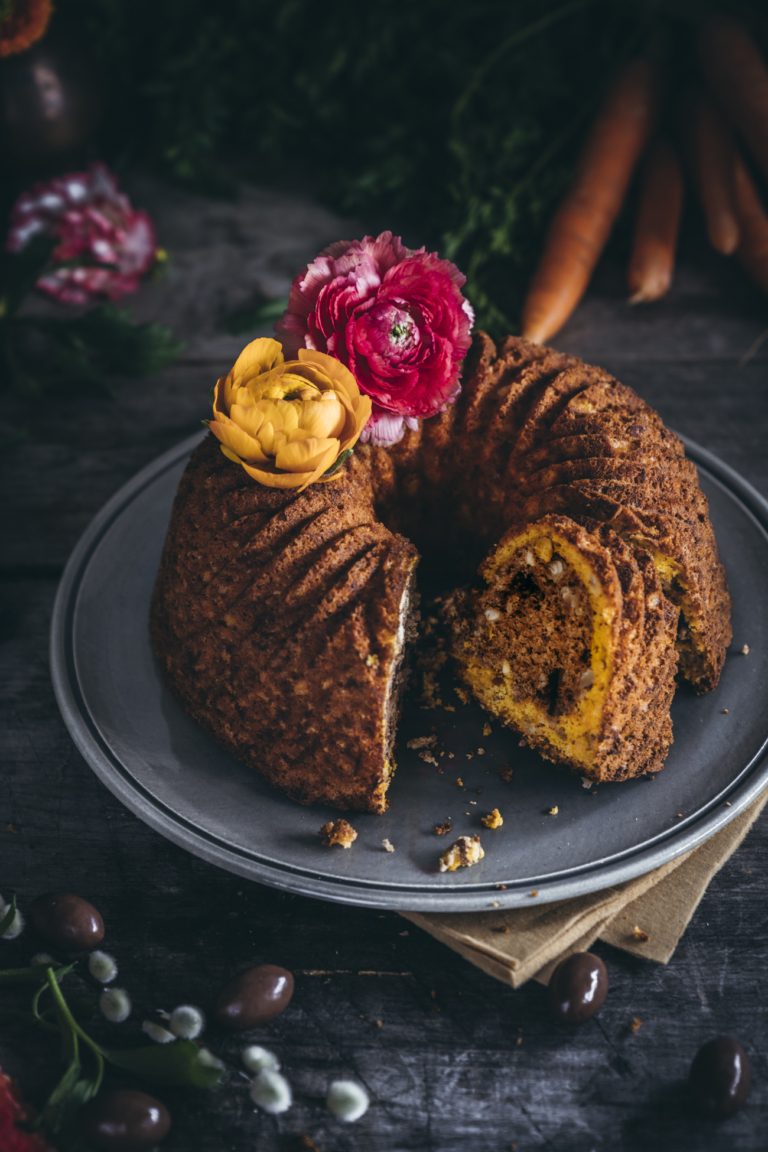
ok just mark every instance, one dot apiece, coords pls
pixel 463 853
pixel 338 832
pixel 493 819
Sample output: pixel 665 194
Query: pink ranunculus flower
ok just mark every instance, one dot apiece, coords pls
pixel 104 246
pixel 396 317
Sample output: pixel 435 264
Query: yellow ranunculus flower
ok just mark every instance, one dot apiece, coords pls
pixel 287 421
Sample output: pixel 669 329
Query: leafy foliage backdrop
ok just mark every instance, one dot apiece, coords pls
pixel 456 124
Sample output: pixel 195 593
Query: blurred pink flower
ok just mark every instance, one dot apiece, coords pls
pixel 103 246
pixel 396 317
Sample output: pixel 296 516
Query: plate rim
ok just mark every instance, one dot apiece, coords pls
pixel 581 881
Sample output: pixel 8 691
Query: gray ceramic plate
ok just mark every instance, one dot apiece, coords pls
pixel 175 777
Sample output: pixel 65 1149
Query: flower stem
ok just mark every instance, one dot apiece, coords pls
pixel 75 1029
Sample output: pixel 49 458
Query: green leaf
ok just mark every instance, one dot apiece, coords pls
pixel 69 1095
pixel 342 459
pixel 8 917
pixel 247 317
pixel 181 1064
pixel 107 340
pixel 20 271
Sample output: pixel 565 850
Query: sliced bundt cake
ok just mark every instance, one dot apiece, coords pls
pixel 570 641
pixel 281 619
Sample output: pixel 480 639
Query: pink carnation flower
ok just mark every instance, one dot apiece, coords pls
pixel 103 247
pixel 396 317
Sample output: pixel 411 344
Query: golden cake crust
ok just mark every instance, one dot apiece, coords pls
pixel 279 619
pixel 276 620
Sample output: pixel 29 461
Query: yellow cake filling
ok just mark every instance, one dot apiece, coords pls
pixel 572 731
pixel 676 589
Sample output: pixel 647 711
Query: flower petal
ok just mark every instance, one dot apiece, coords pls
pixel 307 455
pixel 297 480
pixel 249 419
pixel 259 356
pixel 237 440
pixel 324 417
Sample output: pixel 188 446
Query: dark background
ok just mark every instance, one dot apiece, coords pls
pixel 233 128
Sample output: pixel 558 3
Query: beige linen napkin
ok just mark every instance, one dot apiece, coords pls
pixel 646 916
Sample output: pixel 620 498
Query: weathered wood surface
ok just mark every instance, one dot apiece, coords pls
pixel 453 1060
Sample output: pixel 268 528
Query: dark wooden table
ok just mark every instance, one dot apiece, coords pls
pixel 452 1059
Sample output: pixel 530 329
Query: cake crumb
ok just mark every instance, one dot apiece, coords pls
pixel 338 832
pixel 506 774
pixel 463 853
pixel 635 1024
pixel 533 893
pixel 470 755
pixel 443 828
pixel 422 742
pixel 428 758
pixel 448 708
pixel 387 845
pixel 487 730
pixel 481 751
pixel 493 819
pixel 553 811
pixel 640 934
pixel 462 694
pixel 300 1143
pixel 459 782
pixel 379 1022
pixel 725 711
pixel 744 649
pixel 586 782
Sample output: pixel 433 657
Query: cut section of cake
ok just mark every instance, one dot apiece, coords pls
pixel 570 641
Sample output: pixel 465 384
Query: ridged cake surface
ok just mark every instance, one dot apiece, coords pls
pixel 282 619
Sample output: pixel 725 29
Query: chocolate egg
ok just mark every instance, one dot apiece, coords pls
pixel 67 921
pixel 721 1076
pixel 256 995
pixel 124 1121
pixel 578 987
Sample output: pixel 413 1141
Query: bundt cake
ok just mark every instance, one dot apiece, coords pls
pixel 282 619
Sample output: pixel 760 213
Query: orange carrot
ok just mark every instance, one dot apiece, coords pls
pixel 753 218
pixel 658 223
pixel 583 222
pixel 712 162
pixel 736 71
